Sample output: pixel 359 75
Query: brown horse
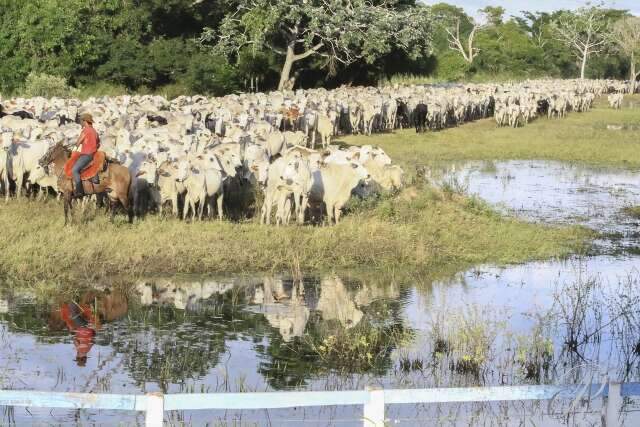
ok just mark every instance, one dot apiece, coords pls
pixel 115 180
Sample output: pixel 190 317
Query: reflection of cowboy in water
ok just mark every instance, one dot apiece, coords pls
pixel 83 319
pixel 80 320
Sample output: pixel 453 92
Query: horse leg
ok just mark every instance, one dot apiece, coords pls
pixel 67 206
pixel 112 208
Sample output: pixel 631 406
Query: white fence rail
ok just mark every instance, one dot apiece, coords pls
pixel 372 399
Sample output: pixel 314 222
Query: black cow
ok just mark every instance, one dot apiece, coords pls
pixel 420 118
pixel 402 115
pixel 22 114
pixel 210 123
pixel 63 120
pixel 157 119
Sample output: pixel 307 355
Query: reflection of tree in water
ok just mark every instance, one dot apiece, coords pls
pixel 168 345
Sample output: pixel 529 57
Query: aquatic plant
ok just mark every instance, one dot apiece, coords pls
pixel 358 349
pixel 463 339
pixel 534 353
pixel 632 211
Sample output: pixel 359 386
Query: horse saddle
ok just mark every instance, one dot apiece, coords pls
pixel 92 170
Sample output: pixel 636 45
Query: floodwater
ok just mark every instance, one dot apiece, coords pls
pixel 342 332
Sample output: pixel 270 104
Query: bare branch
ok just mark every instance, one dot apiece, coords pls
pixel 456 43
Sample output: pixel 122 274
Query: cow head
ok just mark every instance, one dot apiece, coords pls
pixel 7 140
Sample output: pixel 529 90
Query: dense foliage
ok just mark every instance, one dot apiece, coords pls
pixel 223 46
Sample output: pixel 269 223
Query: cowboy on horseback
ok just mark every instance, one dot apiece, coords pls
pixel 88 141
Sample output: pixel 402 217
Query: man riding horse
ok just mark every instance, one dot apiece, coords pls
pixel 88 141
pixel 88 171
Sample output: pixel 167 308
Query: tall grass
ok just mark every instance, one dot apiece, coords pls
pixel 424 79
pixel 418 230
pixel 410 79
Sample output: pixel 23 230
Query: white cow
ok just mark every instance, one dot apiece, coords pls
pixel 333 183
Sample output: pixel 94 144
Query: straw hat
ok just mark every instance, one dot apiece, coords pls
pixel 86 117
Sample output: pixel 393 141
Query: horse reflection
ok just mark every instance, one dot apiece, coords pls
pixel 84 318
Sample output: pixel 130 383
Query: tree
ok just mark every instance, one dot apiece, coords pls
pixel 493 14
pixel 627 35
pixel 339 31
pixel 586 32
pixel 458 44
pixel 507 49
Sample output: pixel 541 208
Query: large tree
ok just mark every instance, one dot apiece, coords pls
pixel 460 30
pixel 627 36
pixel 586 32
pixel 340 31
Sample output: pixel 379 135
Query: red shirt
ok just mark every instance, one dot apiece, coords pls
pixel 91 141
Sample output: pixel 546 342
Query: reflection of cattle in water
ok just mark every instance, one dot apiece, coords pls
pixel 283 307
pixel 182 295
pixel 286 304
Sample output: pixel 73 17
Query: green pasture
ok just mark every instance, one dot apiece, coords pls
pixel 413 234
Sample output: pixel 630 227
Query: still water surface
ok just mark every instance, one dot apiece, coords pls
pixel 264 333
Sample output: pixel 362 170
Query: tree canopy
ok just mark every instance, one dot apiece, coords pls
pixel 341 32
pixel 225 46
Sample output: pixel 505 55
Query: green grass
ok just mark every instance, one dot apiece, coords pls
pixel 421 233
pixel 581 137
pixel 415 233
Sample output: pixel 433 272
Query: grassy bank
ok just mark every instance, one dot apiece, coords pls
pixel 581 137
pixel 416 232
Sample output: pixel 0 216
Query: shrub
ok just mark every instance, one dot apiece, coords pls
pixel 47 86
pixel 211 75
pixel 174 90
pixel 451 67
pixel 101 89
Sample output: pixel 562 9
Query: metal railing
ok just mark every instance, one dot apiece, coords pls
pixel 373 399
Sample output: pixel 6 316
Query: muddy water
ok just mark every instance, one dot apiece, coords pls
pixel 260 333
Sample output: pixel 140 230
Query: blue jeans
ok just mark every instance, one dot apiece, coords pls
pixel 82 162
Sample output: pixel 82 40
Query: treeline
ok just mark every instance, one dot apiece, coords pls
pixel 224 46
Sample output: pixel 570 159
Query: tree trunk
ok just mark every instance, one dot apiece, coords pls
pixel 584 64
pixel 286 68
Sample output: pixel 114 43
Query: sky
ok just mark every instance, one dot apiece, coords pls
pixel 515 6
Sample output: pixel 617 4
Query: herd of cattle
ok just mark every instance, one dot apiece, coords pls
pixel 191 150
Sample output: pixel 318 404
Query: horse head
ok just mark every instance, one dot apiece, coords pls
pixel 55 152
